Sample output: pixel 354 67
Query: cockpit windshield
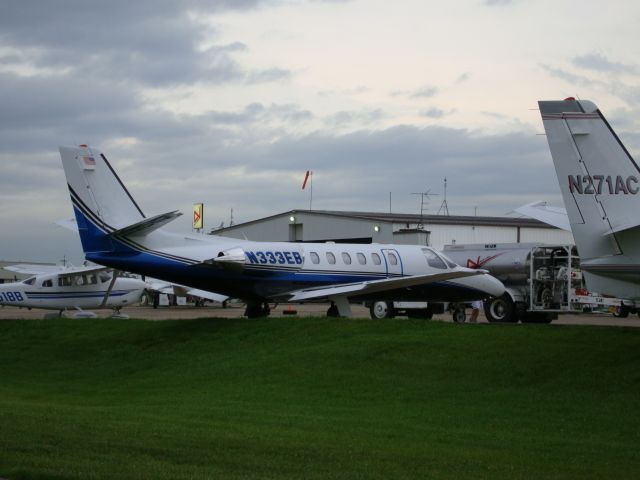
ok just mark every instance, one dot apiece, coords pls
pixel 433 260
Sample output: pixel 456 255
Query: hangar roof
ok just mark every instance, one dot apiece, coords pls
pixel 409 218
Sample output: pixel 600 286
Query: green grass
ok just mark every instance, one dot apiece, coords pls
pixel 317 398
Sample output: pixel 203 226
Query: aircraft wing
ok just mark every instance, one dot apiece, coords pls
pixel 556 216
pixel 35 269
pixel 181 290
pixel 373 286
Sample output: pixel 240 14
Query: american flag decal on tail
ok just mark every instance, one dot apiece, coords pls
pixel 88 163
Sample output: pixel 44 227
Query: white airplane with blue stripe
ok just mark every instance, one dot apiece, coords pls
pixel 116 233
pixel 70 288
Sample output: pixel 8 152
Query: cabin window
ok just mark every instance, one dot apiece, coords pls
pixel 315 258
pixel 30 281
pixel 433 260
pixel 346 258
pixel 47 283
pixel 362 260
pixel 104 277
pixel 64 281
pixel 376 259
pixel 393 260
pixel 93 280
pixel 331 258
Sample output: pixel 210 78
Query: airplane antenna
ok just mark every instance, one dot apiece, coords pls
pixel 423 195
pixel 231 218
pixel 444 208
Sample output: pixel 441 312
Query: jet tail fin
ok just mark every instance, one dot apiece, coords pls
pixel 600 184
pixel 101 202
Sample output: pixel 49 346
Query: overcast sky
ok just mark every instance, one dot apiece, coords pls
pixel 229 102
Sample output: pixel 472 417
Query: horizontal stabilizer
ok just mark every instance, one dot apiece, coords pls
pixel 374 286
pixel 621 228
pixel 556 216
pixel 146 226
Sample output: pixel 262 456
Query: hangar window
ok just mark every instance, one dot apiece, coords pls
pixel 433 260
pixel 331 258
pixel 376 259
pixel 315 258
pixel 346 258
pixel 393 260
pixel 362 260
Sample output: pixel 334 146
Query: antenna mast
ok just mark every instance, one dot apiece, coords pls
pixel 426 194
pixel 444 208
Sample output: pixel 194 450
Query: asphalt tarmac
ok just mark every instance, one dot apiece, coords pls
pixel 305 310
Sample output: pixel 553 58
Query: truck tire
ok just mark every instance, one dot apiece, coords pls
pixel 500 309
pixel 379 310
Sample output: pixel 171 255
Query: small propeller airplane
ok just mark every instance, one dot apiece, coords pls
pixel 115 232
pixel 70 288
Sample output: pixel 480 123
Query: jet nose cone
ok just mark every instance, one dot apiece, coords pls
pixel 492 285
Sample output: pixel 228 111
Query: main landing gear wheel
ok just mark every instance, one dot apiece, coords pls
pixel 621 312
pixel 333 311
pixel 501 309
pixel 379 310
pixel 257 310
pixel 459 315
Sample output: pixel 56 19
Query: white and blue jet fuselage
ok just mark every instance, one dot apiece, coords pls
pixel 114 232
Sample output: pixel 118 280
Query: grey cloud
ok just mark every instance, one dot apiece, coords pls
pixel 153 43
pixel 568 76
pixel 463 77
pixel 600 63
pixel 362 117
pixel 256 112
pixel 433 113
pixel 425 92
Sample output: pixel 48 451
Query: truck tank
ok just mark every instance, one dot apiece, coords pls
pixel 508 262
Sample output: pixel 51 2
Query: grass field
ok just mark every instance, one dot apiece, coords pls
pixel 317 398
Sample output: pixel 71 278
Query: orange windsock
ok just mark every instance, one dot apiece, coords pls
pixel 306 177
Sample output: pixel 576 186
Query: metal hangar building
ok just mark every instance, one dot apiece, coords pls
pixel 370 227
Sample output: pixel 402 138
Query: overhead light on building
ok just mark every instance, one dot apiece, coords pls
pixel 376 228
pixel 292 219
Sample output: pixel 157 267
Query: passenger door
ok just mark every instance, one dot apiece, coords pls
pixel 393 262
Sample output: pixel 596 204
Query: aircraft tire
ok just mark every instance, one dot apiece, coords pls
pixel 459 315
pixel 500 309
pixel 621 312
pixel 379 310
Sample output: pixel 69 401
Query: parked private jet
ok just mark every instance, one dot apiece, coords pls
pixel 600 184
pixel 70 288
pixel 115 232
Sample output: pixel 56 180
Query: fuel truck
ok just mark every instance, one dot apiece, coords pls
pixel 541 280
